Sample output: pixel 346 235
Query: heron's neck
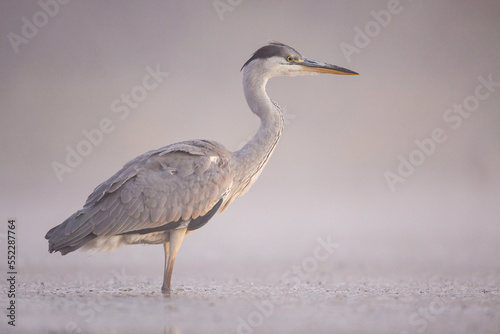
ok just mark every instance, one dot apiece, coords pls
pixel 250 159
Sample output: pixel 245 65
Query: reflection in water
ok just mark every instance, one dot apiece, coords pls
pixel 172 330
pixel 168 327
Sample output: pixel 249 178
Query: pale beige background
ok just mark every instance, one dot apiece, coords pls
pixel 326 177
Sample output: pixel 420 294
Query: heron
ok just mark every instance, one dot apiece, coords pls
pixel 164 195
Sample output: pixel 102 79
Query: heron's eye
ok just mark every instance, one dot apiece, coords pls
pixel 290 59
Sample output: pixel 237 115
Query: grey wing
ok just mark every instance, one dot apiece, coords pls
pixel 180 184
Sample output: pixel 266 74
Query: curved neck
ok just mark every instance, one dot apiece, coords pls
pixel 250 159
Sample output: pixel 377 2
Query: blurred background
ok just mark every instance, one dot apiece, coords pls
pixel 62 70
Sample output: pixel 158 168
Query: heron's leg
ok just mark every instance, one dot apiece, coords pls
pixel 171 249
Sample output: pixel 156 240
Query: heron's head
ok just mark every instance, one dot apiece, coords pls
pixel 277 59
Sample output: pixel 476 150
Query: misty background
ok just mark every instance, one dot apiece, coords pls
pixel 326 177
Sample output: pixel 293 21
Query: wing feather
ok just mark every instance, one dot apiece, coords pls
pixel 179 182
pixel 171 185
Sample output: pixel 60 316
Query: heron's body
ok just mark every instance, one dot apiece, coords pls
pixel 165 194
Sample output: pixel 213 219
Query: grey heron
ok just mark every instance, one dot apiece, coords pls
pixel 168 193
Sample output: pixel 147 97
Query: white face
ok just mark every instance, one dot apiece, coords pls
pixel 279 66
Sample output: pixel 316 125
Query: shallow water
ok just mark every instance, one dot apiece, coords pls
pixel 263 304
pixel 370 274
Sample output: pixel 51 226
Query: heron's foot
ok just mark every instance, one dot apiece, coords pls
pixel 166 290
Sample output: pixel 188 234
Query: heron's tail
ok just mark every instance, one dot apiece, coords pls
pixel 61 239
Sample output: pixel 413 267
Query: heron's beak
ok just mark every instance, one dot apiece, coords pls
pixel 320 67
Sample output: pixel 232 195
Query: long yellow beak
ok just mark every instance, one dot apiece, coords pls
pixel 320 67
